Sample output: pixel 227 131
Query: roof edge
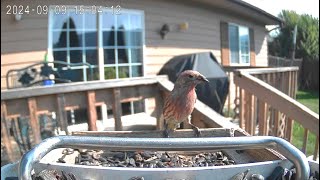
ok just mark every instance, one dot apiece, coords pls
pixel 252 7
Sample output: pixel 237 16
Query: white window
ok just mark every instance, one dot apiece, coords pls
pixel 76 37
pixel 112 43
pixel 122 42
pixel 239 45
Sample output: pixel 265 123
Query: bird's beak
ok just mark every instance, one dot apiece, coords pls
pixel 201 78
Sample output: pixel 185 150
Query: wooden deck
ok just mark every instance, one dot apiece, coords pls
pixel 264 100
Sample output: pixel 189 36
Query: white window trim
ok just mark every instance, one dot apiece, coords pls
pixel 239 64
pixel 100 47
pixel 116 65
pixel 68 49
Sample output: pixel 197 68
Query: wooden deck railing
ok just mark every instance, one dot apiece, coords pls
pixel 267 106
pixel 33 101
pixel 230 110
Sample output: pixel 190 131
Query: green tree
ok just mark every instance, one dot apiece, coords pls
pixel 307 39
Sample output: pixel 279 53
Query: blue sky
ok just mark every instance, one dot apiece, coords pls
pixel 274 7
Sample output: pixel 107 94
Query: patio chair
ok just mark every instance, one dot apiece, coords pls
pixel 42 72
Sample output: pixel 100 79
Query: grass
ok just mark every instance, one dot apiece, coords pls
pixel 311 100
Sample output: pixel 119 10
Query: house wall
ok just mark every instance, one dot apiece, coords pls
pixel 25 42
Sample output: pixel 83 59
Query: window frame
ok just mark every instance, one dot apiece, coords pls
pixel 115 47
pixel 239 43
pixel 100 48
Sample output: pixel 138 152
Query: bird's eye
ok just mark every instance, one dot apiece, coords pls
pixel 190 76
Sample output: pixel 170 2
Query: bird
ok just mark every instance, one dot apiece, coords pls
pixel 179 103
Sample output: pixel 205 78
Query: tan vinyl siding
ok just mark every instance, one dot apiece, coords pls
pixel 261 46
pixel 30 34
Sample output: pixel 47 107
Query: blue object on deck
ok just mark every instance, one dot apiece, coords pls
pixel 48 82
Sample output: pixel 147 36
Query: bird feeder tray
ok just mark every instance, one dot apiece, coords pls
pixel 250 154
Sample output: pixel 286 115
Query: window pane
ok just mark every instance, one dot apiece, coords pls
pixel 234 43
pixel 60 56
pixel 92 74
pixel 136 71
pixel 109 57
pixel 136 22
pixel 122 38
pixel 122 27
pixel 90 20
pixel 75 20
pixel 122 21
pixel 75 39
pixel 123 72
pixel 59 39
pixel 245 58
pixel 59 21
pixel 91 38
pixel 136 55
pixel 135 38
pixel 123 56
pixel 109 72
pixel 108 38
pixel 91 57
pixel 244 44
pixel 129 38
pixel 108 20
pixel 74 75
pixel 76 56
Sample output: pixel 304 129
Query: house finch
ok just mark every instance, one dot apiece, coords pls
pixel 179 104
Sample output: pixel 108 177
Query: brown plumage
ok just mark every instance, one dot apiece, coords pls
pixel 180 102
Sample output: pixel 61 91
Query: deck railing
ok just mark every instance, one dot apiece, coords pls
pixel 32 102
pixel 265 104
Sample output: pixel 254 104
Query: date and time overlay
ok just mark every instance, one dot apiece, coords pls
pixel 60 9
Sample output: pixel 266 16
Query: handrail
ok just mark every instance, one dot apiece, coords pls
pixel 78 86
pixel 279 100
pixel 166 144
pixel 268 70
